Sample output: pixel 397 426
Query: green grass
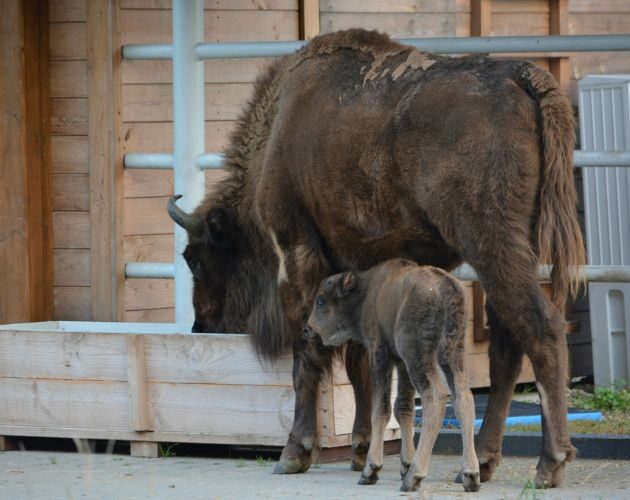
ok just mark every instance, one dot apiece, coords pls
pixel 53 460
pixel 166 449
pixel 613 398
pixel 262 461
pixel 240 462
pixel 616 422
pixel 529 491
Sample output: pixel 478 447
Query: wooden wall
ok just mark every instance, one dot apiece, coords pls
pixel 143 112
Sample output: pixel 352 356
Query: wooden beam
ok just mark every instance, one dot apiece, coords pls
pixel 309 19
pixel 559 25
pixel 25 279
pixel 480 17
pixel 140 417
pixel 105 175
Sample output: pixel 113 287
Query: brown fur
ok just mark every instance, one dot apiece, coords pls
pixel 413 317
pixel 434 159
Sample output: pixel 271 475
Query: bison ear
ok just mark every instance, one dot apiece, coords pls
pixel 347 283
pixel 220 228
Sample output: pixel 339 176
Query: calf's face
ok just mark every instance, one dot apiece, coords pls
pixel 334 316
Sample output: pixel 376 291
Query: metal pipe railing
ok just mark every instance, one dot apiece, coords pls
pixel 153 270
pixel 215 160
pixel 453 45
pixel 188 136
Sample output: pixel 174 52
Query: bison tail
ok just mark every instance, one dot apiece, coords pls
pixel 558 234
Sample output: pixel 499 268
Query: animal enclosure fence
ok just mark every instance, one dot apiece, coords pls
pixel 188 159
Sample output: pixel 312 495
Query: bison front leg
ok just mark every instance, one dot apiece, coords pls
pixel 309 362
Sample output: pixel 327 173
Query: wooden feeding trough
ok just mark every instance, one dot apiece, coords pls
pixel 155 382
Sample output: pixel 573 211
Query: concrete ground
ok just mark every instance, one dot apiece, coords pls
pixel 59 475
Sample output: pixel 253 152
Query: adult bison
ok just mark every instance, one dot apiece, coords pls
pixel 357 149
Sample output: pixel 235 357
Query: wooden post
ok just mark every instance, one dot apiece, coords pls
pixel 106 272
pixel 25 278
pixel 559 25
pixel 144 449
pixel 309 19
pixel 480 17
pixel 140 417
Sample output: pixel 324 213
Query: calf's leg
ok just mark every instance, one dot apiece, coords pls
pixel 433 395
pixel 405 413
pixel 357 367
pixel 465 410
pixel 381 366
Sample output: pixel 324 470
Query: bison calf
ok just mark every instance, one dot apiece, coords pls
pixel 412 317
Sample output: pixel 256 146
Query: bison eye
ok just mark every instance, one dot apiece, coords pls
pixel 320 303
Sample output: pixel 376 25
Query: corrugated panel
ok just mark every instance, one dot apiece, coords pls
pixel 604 126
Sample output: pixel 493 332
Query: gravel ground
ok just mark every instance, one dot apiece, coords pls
pixel 48 475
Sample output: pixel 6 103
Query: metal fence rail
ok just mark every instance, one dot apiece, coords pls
pixel 188 159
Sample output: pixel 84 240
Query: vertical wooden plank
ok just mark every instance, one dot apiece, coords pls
pixel 140 418
pixel 36 67
pixel 14 255
pixel 309 19
pixel 480 17
pixel 105 177
pixel 559 25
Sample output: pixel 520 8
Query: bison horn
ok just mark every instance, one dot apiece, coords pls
pixel 191 223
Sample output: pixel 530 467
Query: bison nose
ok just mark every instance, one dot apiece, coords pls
pixel 308 332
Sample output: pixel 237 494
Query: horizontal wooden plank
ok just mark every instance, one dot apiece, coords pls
pixel 154 26
pixel 344 408
pixel 589 6
pixel 154 103
pixel 158 137
pixel 71 267
pixel 587 63
pixel 216 71
pixel 71 192
pixel 71 229
pixel 224 360
pixel 148 248
pixel 478 374
pixel 385 6
pixel 141 183
pixel 55 355
pixel 190 408
pixel 146 216
pixel 216 4
pixel 148 294
pixel 68 79
pixel 398 25
pixel 69 116
pixel 69 154
pixel 64 403
pixel 72 303
pixel 241 438
pixel 166 315
pixel 507 24
pixel 67 11
pixel 594 23
pixel 67 41
pixel 520 6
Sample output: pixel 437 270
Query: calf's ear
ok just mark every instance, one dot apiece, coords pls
pixel 348 283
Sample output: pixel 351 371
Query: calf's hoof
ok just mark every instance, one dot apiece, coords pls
pixel 471 481
pixel 488 463
pixel 296 456
pixel 411 483
pixel 370 474
pixel 404 468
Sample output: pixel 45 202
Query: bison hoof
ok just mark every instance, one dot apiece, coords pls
pixel 296 457
pixel 471 481
pixel 370 474
pixel 359 455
